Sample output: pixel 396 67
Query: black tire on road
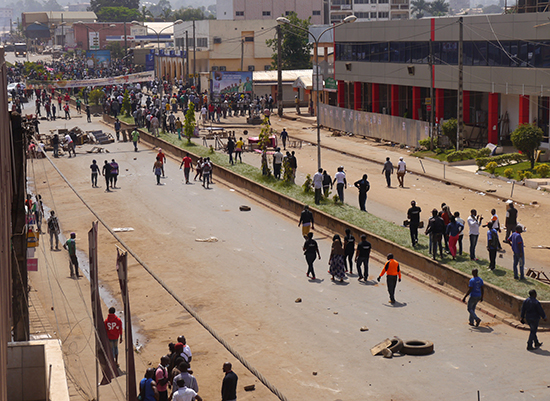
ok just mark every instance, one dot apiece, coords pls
pixel 244 208
pixel 417 347
pixel 396 345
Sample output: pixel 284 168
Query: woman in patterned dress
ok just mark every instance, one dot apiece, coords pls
pixel 336 260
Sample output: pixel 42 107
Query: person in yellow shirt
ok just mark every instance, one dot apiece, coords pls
pixel 393 274
pixel 239 150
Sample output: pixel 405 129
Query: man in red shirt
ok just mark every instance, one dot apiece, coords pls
pixel 161 157
pixel 113 324
pixel 187 164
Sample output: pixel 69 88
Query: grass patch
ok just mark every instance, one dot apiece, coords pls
pixel 500 277
pixel 442 156
pixel 517 168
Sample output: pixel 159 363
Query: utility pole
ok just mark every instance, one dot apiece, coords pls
pixel 194 55
pixel 460 100
pixel 20 306
pixel 242 53
pixel 432 103
pixel 279 72
pixel 125 44
pixel 187 57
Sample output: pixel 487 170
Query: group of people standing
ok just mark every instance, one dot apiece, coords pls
pixel 109 171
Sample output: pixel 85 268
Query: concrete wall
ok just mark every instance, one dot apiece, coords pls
pixel 500 299
pixel 29 371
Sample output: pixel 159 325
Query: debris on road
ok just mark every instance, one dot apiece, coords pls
pixel 298 300
pixel 250 387
pixel 211 239
pixel 122 229
pixel 364 328
pixel 244 208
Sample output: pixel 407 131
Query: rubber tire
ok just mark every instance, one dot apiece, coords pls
pixel 417 347
pixel 244 208
pixel 396 345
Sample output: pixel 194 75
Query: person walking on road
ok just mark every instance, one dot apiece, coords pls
pixel 106 171
pixel 532 312
pixel 511 220
pixel 474 222
pixel 148 386
pixel 88 113
pixel 157 169
pixel 230 149
pixel 53 230
pixel 135 138
pixel 113 325
pixel 318 185
pixel 284 137
pixel 327 183
pixel 70 246
pixel 336 260
pixel 187 164
pixel 114 173
pixel 516 242
pixel 306 221
pixel 349 250
pixel 393 275
pixel 117 129
pixel 341 183
pixel 311 252
pixel 492 244
pixel 363 186
pixel 95 171
pixel 162 157
pixel 475 291
pixel 413 214
pixel 388 171
pixel 362 255
pixel 229 383
pixel 401 171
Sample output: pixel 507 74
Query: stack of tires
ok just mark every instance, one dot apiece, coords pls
pixel 412 347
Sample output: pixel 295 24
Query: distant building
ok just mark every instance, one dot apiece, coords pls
pixel 373 10
pixel 6 15
pixel 79 7
pixel 270 10
pixel 55 27
pixel 459 5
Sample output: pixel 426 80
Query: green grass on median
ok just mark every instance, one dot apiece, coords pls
pixel 500 277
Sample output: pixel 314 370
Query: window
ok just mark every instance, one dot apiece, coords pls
pixel 251 68
pixel 239 13
pixel 361 1
pixel 215 68
pixel 223 68
pixel 362 15
pixel 249 39
pixel 383 14
pixel 267 67
pixel 479 53
pixel 202 42
pixel 190 42
pixel 316 12
pixel 266 13
pixel 382 1
pixel 287 13
pixel 372 15
pixel 217 40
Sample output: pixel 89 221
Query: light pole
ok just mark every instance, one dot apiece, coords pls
pixel 348 20
pixel 161 87
pixel 88 29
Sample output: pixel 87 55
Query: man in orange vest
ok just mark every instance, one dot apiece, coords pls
pixel 393 273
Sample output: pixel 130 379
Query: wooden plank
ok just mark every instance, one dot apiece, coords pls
pixel 380 346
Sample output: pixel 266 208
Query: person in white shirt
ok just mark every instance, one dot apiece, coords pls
pixel 474 221
pixel 184 393
pixel 341 183
pixel 318 185
pixel 70 145
pixel 277 163
pixel 401 170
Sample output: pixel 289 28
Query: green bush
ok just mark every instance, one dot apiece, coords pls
pixel 96 96
pixel 449 128
pixel 308 184
pixel 500 160
pixel 543 170
pixel 527 175
pixel 425 143
pixel 484 152
pixel 491 167
pixel 509 173
pixel 462 155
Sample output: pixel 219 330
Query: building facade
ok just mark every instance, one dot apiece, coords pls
pixel 506 71
pixel 270 10
pixel 369 10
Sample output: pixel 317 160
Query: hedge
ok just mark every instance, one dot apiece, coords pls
pixel 500 160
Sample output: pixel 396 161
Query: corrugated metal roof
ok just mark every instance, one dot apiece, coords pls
pixel 71 15
pixel 289 76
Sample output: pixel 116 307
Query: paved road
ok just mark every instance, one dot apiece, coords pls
pixel 245 285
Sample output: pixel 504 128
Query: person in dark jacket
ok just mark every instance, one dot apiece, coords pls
pixel 435 229
pixel 229 383
pixel 532 312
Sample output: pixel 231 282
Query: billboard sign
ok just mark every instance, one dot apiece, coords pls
pixel 99 57
pixel 93 38
pixel 230 82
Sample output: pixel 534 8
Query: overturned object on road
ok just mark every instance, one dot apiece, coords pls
pixel 388 347
pixel 100 137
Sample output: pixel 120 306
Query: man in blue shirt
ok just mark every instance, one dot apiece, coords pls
pixel 531 311
pixel 516 241
pixel 475 291
pixel 492 245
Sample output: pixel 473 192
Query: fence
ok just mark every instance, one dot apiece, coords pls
pixel 374 125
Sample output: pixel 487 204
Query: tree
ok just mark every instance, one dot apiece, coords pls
pixel 97 5
pixel 439 8
pixel 189 124
pixel 126 105
pixel 117 14
pixel 449 128
pixel 145 14
pixel 158 9
pixel 492 9
pixel 527 138
pixel 52 5
pixel 419 8
pixel 295 45
pixel 116 50
pixel 189 14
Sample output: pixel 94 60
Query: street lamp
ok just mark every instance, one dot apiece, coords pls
pixel 88 29
pixel 178 22
pixel 348 20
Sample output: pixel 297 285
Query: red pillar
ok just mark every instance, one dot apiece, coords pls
pixel 357 95
pixel 376 98
pixel 524 109
pixel 466 106
pixel 395 100
pixel 492 119
pixel 341 94
pixel 417 103
pixel 439 105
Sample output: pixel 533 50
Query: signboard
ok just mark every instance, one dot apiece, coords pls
pixel 331 85
pixel 93 38
pixel 229 82
pixel 79 83
pixel 317 82
pixel 99 57
pixel 428 101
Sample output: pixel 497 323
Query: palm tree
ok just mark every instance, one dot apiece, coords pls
pixel 167 14
pixel 419 7
pixel 439 8
pixel 146 15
